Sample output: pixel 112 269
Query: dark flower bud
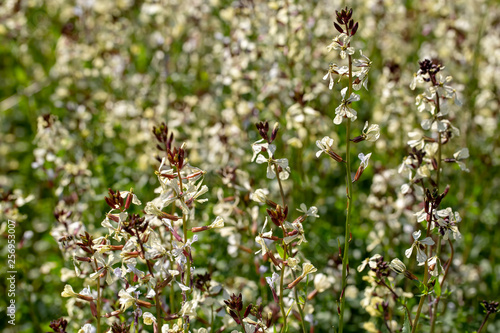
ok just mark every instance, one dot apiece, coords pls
pixel 59 325
pixel 129 199
pixel 358 139
pixel 247 311
pixel 339 29
pixel 263 128
pixel 354 29
pixel 274 133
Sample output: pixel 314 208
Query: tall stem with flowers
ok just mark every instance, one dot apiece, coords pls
pixel 356 79
pixel 286 260
pixel 133 259
pixel 424 169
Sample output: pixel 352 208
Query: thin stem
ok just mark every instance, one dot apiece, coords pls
pixel 409 315
pixel 282 276
pixel 484 322
pixel 150 269
pixel 433 320
pixel 383 283
pixel 301 312
pixel 171 295
pixel 426 276
pixel 438 177
pixel 345 259
pixel 187 281
pixel 421 303
pixel 279 183
pixel 98 317
pixel 282 303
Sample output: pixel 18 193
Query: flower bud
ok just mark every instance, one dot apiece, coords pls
pixel 274 133
pixel 397 266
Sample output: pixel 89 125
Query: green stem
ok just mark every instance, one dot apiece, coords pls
pixel 98 299
pixel 150 269
pixel 171 295
pixel 282 303
pixel 433 320
pixel 187 281
pixel 483 323
pixel 345 259
pixel 281 186
pixel 422 299
pixel 426 277
pixel 438 178
pixel 301 312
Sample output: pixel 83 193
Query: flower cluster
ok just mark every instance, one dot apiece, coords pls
pixel 287 257
pixel 142 255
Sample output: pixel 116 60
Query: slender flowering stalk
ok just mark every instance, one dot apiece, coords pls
pixel 426 156
pixel 342 43
pixel 292 233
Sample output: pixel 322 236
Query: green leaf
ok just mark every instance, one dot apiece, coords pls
pixel 301 300
pixel 280 251
pixel 437 288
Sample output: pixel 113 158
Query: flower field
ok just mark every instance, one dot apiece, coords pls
pixel 249 166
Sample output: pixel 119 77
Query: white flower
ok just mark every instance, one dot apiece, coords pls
pixel 87 328
pixel 272 164
pixel 166 328
pixel 344 110
pixel 260 195
pixel 460 155
pixel 447 222
pixel 135 200
pixel 148 318
pixel 271 280
pixel 298 233
pixel 417 139
pixel 261 241
pixel 341 42
pixel 364 159
pixel 372 262
pixel 362 75
pixel 126 300
pixel 307 268
pixel 334 69
pixel 434 264
pixel 105 266
pixel 217 223
pixel 322 282
pixel 330 74
pixel 325 145
pixel 371 133
pixel 258 146
pixel 68 291
pixel 293 263
pixel 363 165
pixel 421 256
pixel 313 211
